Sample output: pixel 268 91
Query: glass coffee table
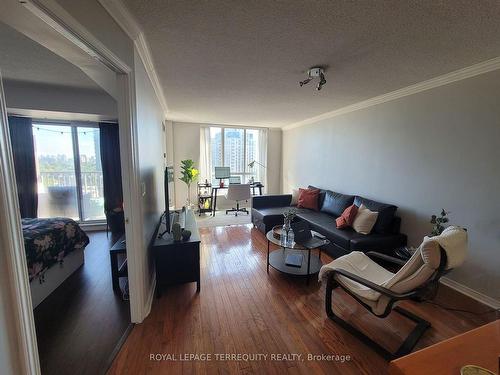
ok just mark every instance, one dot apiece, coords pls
pixel 277 258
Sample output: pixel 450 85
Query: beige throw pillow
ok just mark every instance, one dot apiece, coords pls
pixel 295 197
pixel 364 220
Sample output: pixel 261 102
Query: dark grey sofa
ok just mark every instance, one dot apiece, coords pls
pixel 267 211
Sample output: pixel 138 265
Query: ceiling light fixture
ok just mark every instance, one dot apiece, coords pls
pixel 316 72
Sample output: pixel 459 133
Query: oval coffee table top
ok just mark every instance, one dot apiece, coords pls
pixel 294 246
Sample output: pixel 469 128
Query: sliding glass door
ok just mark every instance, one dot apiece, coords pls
pixel 92 196
pixel 69 171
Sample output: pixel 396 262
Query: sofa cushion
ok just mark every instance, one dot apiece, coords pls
pixel 308 198
pixel 268 215
pixel 385 211
pixel 383 243
pixel 322 193
pixel 325 224
pixel 340 237
pixel 335 203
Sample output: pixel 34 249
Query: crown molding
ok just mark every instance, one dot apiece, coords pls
pixel 457 75
pixel 127 22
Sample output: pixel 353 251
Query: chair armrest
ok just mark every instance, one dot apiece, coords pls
pixel 388 258
pixel 371 285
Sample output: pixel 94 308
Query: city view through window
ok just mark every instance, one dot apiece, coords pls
pixel 235 148
pixel 69 171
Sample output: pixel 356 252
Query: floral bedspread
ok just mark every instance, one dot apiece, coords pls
pixel 48 241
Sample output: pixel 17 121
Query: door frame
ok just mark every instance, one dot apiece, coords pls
pixel 12 241
pixel 11 237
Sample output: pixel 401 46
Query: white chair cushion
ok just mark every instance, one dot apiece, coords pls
pixel 359 264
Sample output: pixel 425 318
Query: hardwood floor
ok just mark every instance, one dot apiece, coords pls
pixel 243 310
pixel 79 325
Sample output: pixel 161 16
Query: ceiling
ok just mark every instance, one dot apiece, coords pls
pixel 239 62
pixel 22 59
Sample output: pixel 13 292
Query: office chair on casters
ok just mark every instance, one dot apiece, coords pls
pixel 238 193
pixel 379 290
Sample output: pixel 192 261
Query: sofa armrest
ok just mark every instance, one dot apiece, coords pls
pixel 267 201
pixel 396 225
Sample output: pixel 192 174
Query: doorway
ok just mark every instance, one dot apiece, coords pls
pixel 71 308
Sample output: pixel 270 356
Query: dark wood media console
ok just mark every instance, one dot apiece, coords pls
pixel 177 262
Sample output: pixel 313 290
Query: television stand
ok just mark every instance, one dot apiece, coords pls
pixel 177 262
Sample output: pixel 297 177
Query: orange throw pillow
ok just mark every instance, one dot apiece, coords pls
pixel 308 198
pixel 347 218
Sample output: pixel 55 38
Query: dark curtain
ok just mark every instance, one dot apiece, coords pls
pixel 111 175
pixel 23 150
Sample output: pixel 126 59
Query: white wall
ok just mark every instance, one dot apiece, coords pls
pixel 151 143
pixel 33 96
pixel 186 138
pixel 432 150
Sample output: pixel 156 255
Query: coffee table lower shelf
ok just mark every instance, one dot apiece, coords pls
pixel 277 261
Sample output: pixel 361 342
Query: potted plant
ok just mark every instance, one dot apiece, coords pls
pixel 188 175
pixel 438 222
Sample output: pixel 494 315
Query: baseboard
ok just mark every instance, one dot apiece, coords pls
pixel 117 348
pixel 149 302
pixel 93 227
pixel 471 293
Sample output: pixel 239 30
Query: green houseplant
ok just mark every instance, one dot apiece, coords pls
pixel 188 175
pixel 438 222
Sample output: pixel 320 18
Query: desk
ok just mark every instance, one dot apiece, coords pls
pixel 120 247
pixel 480 347
pixel 215 189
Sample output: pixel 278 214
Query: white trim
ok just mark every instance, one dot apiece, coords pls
pixel 53 14
pixel 475 295
pixel 127 22
pixel 12 243
pixel 131 190
pixel 64 23
pixel 149 302
pixel 56 115
pixel 457 75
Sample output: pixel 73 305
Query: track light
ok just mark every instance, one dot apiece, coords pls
pixel 313 73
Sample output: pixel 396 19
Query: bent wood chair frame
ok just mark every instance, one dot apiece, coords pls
pixel 426 291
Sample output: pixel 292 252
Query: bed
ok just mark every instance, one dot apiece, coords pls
pixel 54 250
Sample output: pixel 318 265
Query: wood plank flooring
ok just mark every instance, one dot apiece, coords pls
pixel 81 322
pixel 243 310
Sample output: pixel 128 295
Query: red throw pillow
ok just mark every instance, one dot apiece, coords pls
pixel 308 198
pixel 347 218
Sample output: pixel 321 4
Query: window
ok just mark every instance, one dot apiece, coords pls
pixel 236 148
pixel 69 171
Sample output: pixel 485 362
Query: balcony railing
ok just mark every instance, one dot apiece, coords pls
pixel 92 185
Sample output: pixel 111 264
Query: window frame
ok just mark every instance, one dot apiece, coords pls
pixel 74 125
